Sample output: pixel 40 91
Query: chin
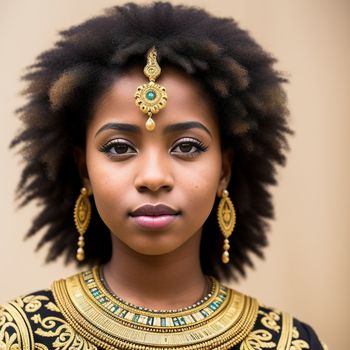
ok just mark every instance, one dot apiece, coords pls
pixel 154 250
pixel 158 246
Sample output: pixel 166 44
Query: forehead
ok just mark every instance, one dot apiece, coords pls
pixel 187 100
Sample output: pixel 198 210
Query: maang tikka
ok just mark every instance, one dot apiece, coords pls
pixel 227 221
pixel 151 97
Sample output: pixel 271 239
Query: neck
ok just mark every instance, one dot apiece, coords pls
pixel 161 282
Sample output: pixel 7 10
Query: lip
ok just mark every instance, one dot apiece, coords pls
pixel 153 210
pixel 153 217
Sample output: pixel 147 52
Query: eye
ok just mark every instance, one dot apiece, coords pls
pixel 118 148
pixel 188 147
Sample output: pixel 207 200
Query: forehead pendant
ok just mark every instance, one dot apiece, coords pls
pixel 151 97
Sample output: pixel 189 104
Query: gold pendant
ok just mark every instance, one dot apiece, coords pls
pixel 82 211
pixel 226 215
pixel 151 97
pixel 227 221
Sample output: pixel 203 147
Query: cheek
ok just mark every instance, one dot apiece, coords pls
pixel 108 185
pixel 201 183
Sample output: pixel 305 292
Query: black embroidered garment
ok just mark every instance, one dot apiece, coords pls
pixel 79 314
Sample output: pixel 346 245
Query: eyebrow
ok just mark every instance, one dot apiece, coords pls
pixel 168 129
pixel 186 126
pixel 120 127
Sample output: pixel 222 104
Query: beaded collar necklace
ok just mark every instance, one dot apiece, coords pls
pixel 209 292
pixel 221 321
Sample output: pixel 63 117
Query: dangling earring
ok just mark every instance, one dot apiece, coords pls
pixel 227 221
pixel 82 216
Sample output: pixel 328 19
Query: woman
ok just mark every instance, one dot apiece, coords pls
pixel 144 123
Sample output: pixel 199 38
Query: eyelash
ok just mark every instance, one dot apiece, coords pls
pixel 199 145
pixel 106 148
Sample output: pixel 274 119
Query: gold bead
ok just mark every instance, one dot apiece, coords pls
pixel 80 253
pixel 80 257
pixel 225 257
pixel 150 124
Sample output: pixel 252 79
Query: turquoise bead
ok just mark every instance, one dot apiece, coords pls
pixel 151 95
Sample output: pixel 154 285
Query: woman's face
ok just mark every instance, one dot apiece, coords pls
pixel 155 189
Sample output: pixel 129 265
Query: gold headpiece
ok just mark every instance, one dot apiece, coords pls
pixel 151 97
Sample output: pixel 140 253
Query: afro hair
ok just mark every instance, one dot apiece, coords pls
pixel 65 83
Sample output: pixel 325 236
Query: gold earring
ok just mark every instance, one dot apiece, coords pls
pixel 227 222
pixel 82 216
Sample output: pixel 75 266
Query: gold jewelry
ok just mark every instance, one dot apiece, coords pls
pixel 82 216
pixel 151 97
pixel 220 322
pixel 227 221
pixel 210 291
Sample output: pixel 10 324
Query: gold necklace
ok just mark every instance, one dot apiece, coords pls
pixel 209 292
pixel 220 322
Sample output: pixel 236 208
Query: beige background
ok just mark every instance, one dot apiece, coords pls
pixel 306 270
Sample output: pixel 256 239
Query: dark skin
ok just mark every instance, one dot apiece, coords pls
pixel 180 164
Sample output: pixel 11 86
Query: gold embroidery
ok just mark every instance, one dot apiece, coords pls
pixel 262 338
pixel 9 342
pixel 65 336
pixel 270 320
pixel 15 333
pixel 52 307
pixel 257 340
pixel 286 333
pixel 34 302
pixel 41 347
pixel 298 344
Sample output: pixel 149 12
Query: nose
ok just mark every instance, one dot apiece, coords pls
pixel 154 172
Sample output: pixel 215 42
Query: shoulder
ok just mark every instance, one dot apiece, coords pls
pixel 33 322
pixel 18 316
pixel 275 329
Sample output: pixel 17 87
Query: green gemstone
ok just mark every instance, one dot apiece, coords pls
pixel 176 321
pixel 124 313
pixel 213 306
pixel 96 293
pixel 182 321
pixel 204 313
pixel 136 317
pixel 151 95
pixel 150 321
pixel 114 308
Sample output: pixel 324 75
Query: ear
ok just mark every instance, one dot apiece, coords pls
pixel 226 166
pixel 80 160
